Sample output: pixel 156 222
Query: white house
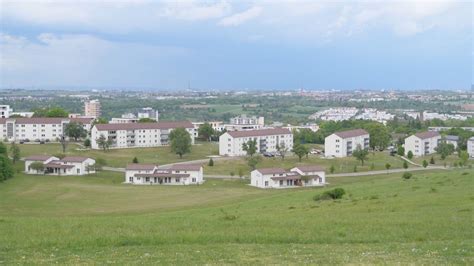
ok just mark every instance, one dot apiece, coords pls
pixel 129 135
pixel 38 128
pixel 301 176
pixel 470 146
pixel 230 143
pixel 450 139
pixel 150 174
pixel 343 143
pixel 5 111
pixel 422 143
pixel 69 165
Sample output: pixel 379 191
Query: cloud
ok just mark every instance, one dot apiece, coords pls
pixel 195 10
pixel 240 18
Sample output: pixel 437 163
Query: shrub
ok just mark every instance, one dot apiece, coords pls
pixel 211 162
pixel 87 143
pixel 332 169
pixel 425 163
pixel 135 160
pixel 372 166
pixel 432 161
pixel 410 155
pixel 336 193
pixel 355 168
pixel 232 173
pixel 407 175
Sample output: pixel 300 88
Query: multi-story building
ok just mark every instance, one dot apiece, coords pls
pixel 247 120
pixel 450 139
pixel 129 135
pixel 5 111
pixel 230 143
pixel 216 125
pixel 470 147
pixel 38 128
pixel 148 112
pixel 92 109
pixel 422 143
pixel 150 174
pixel 69 165
pixel 343 143
pixel 280 178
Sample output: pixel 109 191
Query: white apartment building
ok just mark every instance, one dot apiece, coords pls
pixel 343 143
pixel 247 120
pixel 374 115
pixel 301 176
pixel 92 109
pixel 216 125
pixel 149 174
pixel 312 127
pixel 148 112
pixel 69 165
pixel 129 135
pixel 38 128
pixel 470 147
pixel 230 143
pixel 450 139
pixel 335 114
pixel 5 111
pixel 423 143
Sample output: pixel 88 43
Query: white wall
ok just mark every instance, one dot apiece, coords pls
pixel 417 145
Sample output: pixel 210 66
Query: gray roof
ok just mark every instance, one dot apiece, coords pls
pixel 427 134
pixel 351 133
pixel 452 138
pixel 259 132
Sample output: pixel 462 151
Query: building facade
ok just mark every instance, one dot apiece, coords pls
pixel 92 109
pixel 423 143
pixel 230 143
pixel 470 147
pixel 149 174
pixel 5 111
pixel 301 176
pixel 343 143
pixel 69 165
pixel 130 135
pixel 38 128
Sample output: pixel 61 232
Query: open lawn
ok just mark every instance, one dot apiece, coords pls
pixel 341 165
pixel 449 161
pixel 96 220
pixel 120 157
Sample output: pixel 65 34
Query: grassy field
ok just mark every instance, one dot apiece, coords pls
pixel 449 161
pixel 120 157
pixel 341 165
pixel 96 220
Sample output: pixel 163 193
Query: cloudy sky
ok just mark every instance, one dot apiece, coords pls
pixel 224 44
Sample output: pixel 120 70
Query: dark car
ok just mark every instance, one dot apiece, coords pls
pixel 268 154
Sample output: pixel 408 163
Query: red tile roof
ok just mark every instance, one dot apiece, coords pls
pixel 271 171
pixel 259 132
pixel 351 133
pixel 133 126
pixel 427 134
pixel 41 158
pixel 74 159
pixel 185 167
pixel 137 166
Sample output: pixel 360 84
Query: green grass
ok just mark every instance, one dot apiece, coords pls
pixel 96 220
pixel 449 161
pixel 120 157
pixel 341 165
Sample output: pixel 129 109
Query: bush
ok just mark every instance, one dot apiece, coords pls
pixel 432 161
pixel 135 160
pixel 410 155
pixel 407 175
pixel 425 163
pixel 232 173
pixel 211 162
pixel 87 143
pixel 336 193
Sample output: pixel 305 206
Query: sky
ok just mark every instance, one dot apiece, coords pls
pixel 236 45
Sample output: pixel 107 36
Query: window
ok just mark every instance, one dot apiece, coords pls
pixel 147 179
pixel 78 170
pixel 177 180
pixel 194 180
pixel 266 183
pixel 130 179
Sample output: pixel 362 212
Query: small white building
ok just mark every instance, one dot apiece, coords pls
pixel 301 176
pixel 422 143
pixel 230 143
pixel 69 165
pixel 470 147
pixel 150 174
pixel 343 143
pixel 450 139
pixel 5 111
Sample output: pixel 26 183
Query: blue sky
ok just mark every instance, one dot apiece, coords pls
pixel 223 44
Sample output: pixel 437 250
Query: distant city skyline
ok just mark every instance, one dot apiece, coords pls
pixel 236 45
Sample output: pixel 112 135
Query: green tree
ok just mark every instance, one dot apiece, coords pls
pixel 360 154
pixel 6 168
pixel 282 150
pixel 180 141
pixel 241 172
pixel 401 151
pixel 100 120
pixel 387 166
pixel 50 112
pixel 432 160
pixel 444 149
pixel 464 156
pixel 75 130
pixel 100 163
pixel 410 155
pixel 332 169
pixel 250 147
pixel 135 160
pixel 300 150
pixel 205 131
pixel 146 120
pixel 379 136
pixel 3 149
pixel 425 163
pixel 104 142
pixel 252 161
pixel 405 164
pixel 15 152
pixel 63 142
pixel 87 143
pixel 211 162
pixel 37 166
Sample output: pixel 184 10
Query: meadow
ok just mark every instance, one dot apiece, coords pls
pixel 95 220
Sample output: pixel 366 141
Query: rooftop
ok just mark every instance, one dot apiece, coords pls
pixel 427 134
pixel 259 132
pixel 351 133
pixel 133 126
pixel 138 166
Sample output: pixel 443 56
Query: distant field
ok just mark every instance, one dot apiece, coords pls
pixel 97 220
pixel 341 165
pixel 120 157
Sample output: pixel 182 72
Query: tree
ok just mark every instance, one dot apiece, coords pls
pixel 379 136
pixel 401 151
pixel 104 142
pixel 410 155
pixel 146 120
pixel 425 163
pixel 241 172
pixel 432 160
pixel 180 141
pixel 332 169
pixel 405 165
pixel 135 160
pixel 252 161
pixel 250 147
pixel 464 156
pixel 205 131
pixel 211 162
pixel 6 168
pixel 100 120
pixel 444 149
pixel 360 154
pixel 387 166
pixel 87 143
pixel 75 130
pixel 282 150
pixel 50 112
pixel 300 150
pixel 15 152
pixel 100 163
pixel 63 142
pixel 37 166
pixel 3 149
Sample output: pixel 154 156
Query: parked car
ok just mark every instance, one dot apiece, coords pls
pixel 393 152
pixel 268 154
pixel 315 151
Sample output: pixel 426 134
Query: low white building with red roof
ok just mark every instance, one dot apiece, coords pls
pixel 69 165
pixel 150 174
pixel 422 143
pixel 230 143
pixel 343 143
pixel 300 176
